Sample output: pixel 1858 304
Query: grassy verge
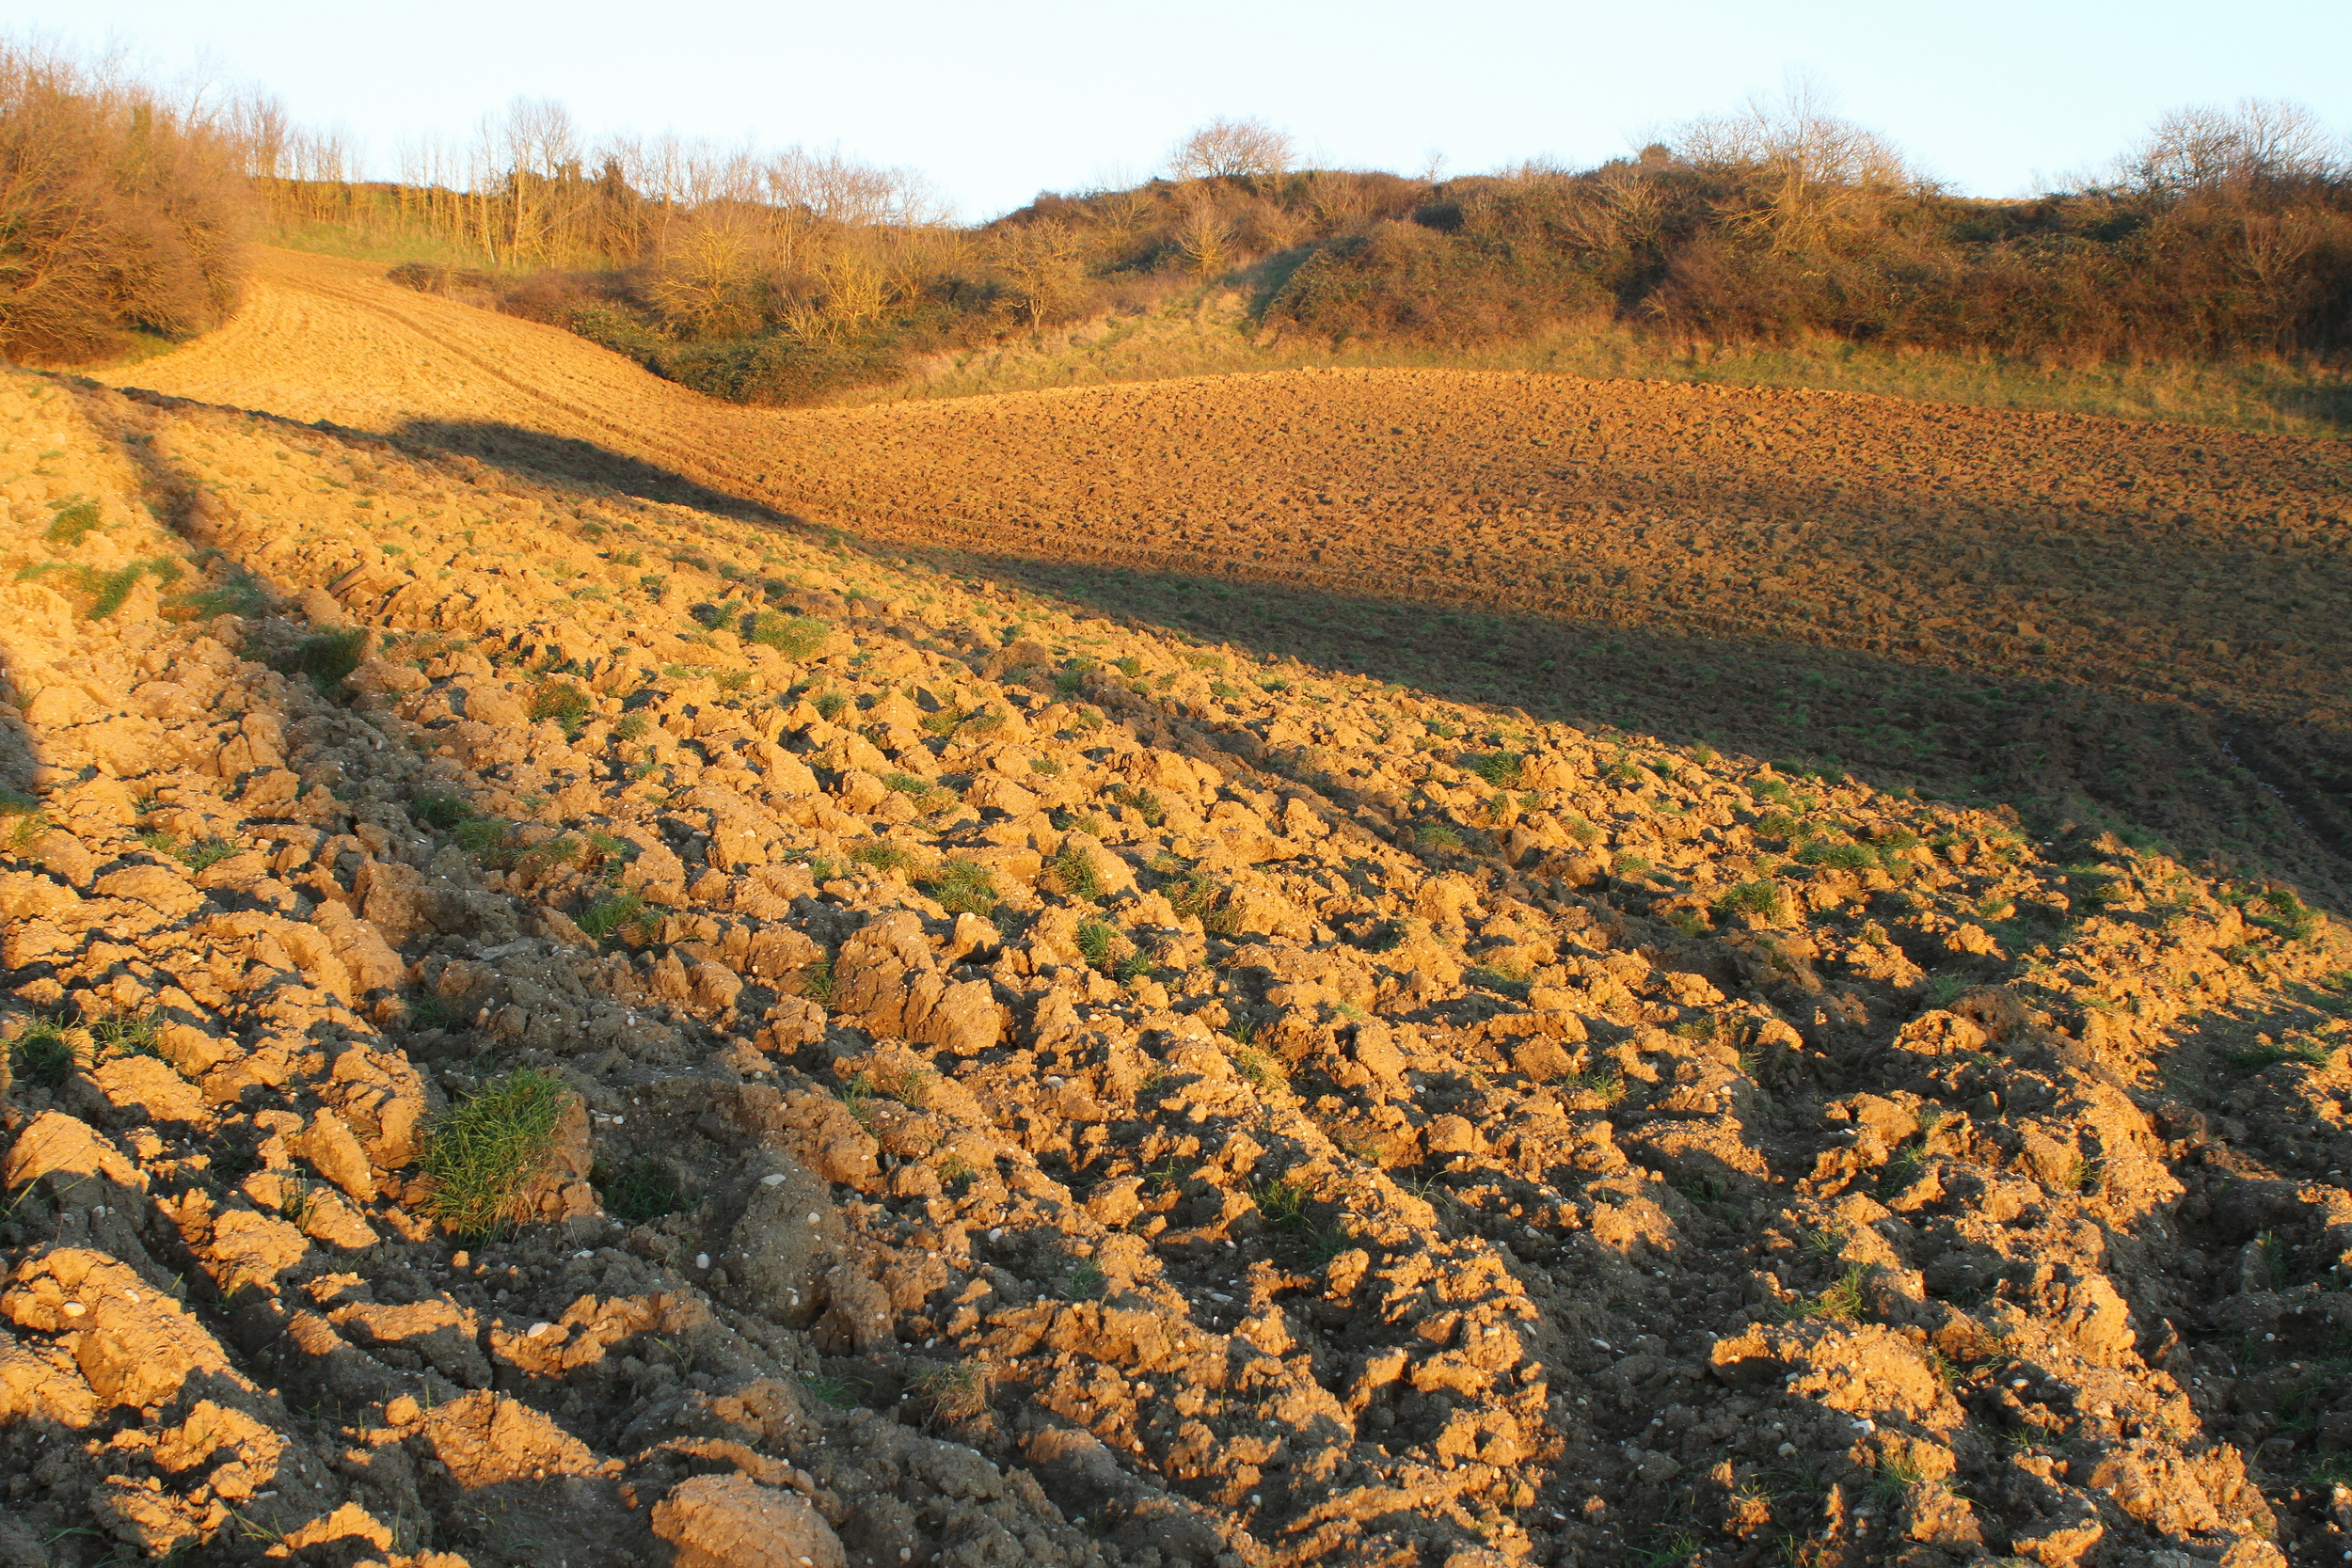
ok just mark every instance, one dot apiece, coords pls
pixel 387 241
pixel 2273 397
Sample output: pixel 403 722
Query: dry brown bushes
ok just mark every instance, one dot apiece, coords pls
pixel 119 210
pixel 2223 235
pixel 2223 232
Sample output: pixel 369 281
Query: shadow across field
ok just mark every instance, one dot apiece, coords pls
pixel 2056 750
pixel 22 771
pixel 2209 782
pixel 536 455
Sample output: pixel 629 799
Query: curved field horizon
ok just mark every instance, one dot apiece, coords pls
pixel 2121 622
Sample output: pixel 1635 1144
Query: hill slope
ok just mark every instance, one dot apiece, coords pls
pixel 1033 1088
pixel 2118 623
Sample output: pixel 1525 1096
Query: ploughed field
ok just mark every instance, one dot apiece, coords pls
pixel 1018 1083
pixel 2130 624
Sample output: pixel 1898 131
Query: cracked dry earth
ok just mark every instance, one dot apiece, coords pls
pixel 1009 1118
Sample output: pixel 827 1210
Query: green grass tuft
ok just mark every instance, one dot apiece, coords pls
pixel 129 1035
pixel 958 1392
pixel 442 812
pixel 562 702
pixel 796 636
pixel 1605 1086
pixel 883 855
pixel 1834 856
pixel 961 887
pixel 1282 1202
pixel 1841 1301
pixel 643 1190
pixel 483 1154
pixel 241 596
pixel 1207 900
pixel 1146 805
pixel 915 788
pixel 486 839
pixel 2285 915
pixel 205 853
pixel 74 522
pixel 1097 940
pixel 1499 768
pixel 618 914
pixel 1763 897
pixel 1258 1069
pixel 326 659
pixel 1072 872
pixel 47 1053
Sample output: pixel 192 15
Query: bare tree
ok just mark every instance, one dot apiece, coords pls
pixel 1206 241
pixel 910 257
pixel 709 280
pixel 541 147
pixel 1809 168
pixel 1226 149
pixel 1041 261
pixel 259 122
pixel 856 293
pixel 2261 144
pixel 840 189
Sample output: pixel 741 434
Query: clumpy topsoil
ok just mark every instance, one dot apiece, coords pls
pixel 1037 1091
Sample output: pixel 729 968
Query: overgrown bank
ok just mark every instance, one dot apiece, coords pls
pixel 2220 239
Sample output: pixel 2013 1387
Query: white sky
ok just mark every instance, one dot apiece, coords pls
pixel 996 103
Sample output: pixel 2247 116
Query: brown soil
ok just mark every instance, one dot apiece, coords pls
pixel 2126 623
pixel 1367 1128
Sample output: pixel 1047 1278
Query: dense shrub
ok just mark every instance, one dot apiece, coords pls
pixel 2224 232
pixel 120 212
pixel 773 369
pixel 1402 281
